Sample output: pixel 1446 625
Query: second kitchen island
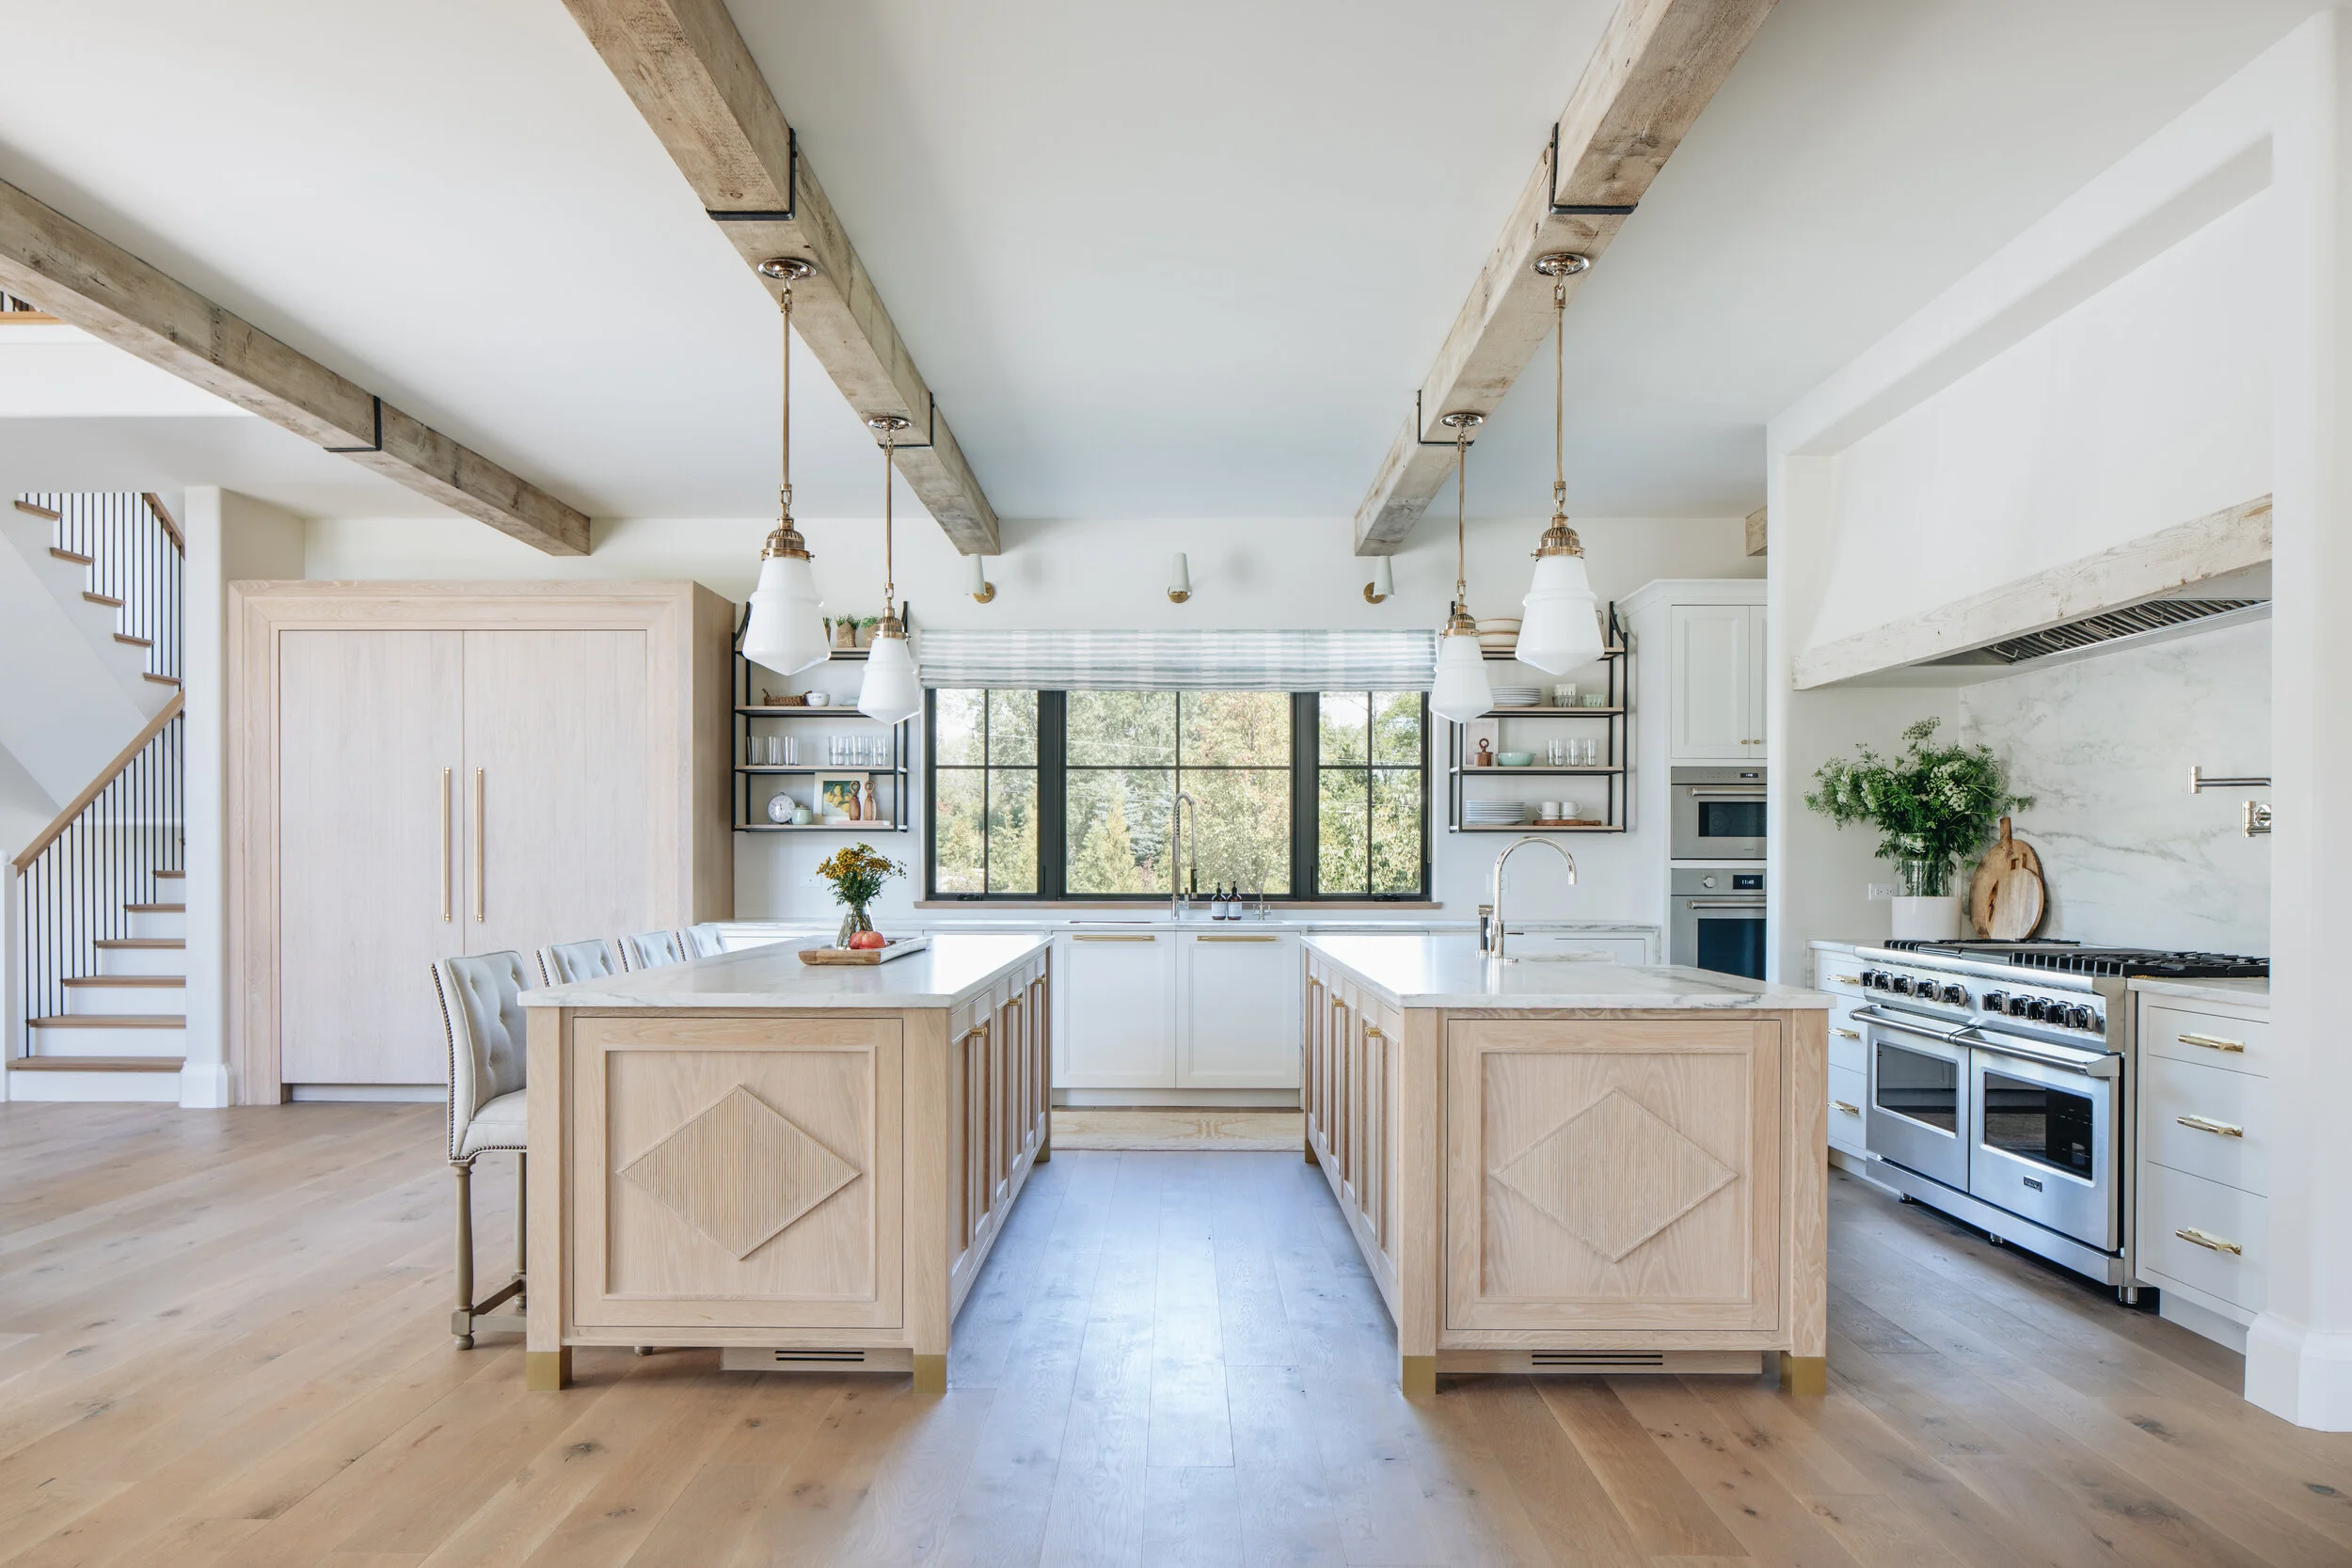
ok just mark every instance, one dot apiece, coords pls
pixel 1573 1167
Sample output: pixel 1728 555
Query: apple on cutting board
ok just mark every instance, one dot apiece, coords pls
pixel 868 939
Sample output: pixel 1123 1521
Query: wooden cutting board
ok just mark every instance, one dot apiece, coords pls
pixel 2006 899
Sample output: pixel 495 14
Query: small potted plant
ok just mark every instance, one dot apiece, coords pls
pixel 1934 806
pixel 857 874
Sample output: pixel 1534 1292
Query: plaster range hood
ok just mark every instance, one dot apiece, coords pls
pixel 2228 600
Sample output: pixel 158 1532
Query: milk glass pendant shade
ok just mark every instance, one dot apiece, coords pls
pixel 892 691
pixel 1460 694
pixel 785 630
pixel 1560 631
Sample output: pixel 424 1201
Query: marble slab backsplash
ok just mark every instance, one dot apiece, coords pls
pixel 2104 747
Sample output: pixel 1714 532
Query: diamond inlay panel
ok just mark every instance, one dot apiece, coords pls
pixel 740 1172
pixel 1614 1175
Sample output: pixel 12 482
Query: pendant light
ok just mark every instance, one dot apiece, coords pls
pixel 891 692
pixel 1460 692
pixel 786 632
pixel 1561 628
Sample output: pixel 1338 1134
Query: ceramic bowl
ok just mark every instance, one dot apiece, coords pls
pixel 1515 759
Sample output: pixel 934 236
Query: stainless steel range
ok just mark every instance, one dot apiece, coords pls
pixel 2001 1083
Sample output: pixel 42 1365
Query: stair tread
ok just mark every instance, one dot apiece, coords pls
pixel 162 680
pixel 69 555
pixel 141 942
pixel 174 874
pixel 156 908
pixel 133 980
pixel 97 1064
pixel 112 1021
pixel 101 598
pixel 135 642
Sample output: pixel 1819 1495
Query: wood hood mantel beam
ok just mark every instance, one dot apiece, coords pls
pixel 1659 64
pixel 93 283
pixel 689 73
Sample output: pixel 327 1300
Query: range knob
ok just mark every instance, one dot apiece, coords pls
pixel 1866 980
pixel 1996 1000
pixel 2045 1012
pixel 2080 1017
pixel 1956 995
pixel 2017 1007
pixel 1902 984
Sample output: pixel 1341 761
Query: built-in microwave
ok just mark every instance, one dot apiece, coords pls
pixel 1718 813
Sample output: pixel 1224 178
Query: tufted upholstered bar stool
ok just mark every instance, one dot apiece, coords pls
pixel 702 942
pixel 482 1012
pixel 651 950
pixel 563 962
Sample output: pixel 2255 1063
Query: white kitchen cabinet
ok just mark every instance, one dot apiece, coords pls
pixel 1117 991
pixel 1839 975
pixel 1717 683
pixel 2202 1160
pixel 1238 1010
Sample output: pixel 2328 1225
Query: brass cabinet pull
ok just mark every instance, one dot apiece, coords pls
pixel 1846 979
pixel 481 895
pixel 2219 1128
pixel 1850 1034
pixel 1113 936
pixel 2214 1042
pixel 1372 1032
pixel 445 845
pixel 1847 1106
pixel 1212 936
pixel 2211 1243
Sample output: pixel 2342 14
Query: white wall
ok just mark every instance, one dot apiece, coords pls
pixel 1080 575
pixel 25 808
pixel 230 538
pixel 2105 747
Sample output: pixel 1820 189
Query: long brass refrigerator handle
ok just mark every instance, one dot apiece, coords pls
pixel 481 898
pixel 445 845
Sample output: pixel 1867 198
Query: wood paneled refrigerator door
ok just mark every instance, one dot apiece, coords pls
pixel 369 743
pixel 562 831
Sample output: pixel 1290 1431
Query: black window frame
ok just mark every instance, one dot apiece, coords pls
pixel 1053 780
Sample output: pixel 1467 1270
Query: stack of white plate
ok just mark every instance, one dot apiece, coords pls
pixel 1517 696
pixel 1493 814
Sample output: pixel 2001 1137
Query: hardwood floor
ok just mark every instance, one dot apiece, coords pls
pixel 223 1340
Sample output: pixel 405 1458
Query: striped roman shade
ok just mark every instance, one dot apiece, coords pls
pixel 1186 660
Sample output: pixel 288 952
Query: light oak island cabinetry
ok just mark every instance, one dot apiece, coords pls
pixel 804 1166
pixel 418 771
pixel 1559 1165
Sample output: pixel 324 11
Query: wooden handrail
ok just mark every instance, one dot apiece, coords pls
pixel 155 504
pixel 107 775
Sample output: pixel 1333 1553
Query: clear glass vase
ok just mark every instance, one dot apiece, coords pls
pixel 852 924
pixel 1924 878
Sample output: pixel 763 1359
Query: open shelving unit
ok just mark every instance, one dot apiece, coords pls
pixel 893 781
pixel 1616 748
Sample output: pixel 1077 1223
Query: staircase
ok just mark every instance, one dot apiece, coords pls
pixel 99 911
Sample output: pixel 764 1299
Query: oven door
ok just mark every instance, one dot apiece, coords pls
pixel 1717 822
pixel 2043 1144
pixel 1723 934
pixel 1920 1089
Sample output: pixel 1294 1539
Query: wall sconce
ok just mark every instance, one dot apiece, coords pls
pixel 1178 580
pixel 981 590
pixel 1383 581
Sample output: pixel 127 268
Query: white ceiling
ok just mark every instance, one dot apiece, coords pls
pixel 1157 262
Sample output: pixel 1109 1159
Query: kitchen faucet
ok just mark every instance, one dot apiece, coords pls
pixel 1492 939
pixel 1179 899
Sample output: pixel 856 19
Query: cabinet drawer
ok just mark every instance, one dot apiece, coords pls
pixel 2213 1102
pixel 1844 1042
pixel 2211 1039
pixel 2174 1205
pixel 1849 1092
pixel 1838 974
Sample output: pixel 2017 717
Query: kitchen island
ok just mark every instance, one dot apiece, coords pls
pixel 1570 1167
pixel 803 1166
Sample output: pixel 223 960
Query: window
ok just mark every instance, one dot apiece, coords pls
pixel 1051 794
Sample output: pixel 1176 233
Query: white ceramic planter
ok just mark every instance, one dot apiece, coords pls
pixel 1926 919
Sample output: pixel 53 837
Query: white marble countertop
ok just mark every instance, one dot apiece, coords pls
pixel 1156 918
pixel 952 970
pixel 1447 970
pixel 2245 993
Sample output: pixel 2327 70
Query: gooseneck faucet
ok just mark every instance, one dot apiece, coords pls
pixel 1178 898
pixel 1494 939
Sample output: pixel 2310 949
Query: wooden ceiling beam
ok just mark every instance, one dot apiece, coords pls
pixel 689 73
pixel 1658 65
pixel 91 282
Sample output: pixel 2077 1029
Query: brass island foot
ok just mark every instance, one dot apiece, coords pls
pixel 931 1374
pixel 1417 1376
pixel 546 1371
pixel 1803 1375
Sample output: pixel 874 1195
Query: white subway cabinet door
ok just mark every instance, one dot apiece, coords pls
pixel 1715 688
pixel 1240 1012
pixel 1119 1011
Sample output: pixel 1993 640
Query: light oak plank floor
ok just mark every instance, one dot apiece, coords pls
pixel 222 1342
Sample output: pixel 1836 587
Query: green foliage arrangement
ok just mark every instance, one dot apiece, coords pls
pixel 857 874
pixel 1933 805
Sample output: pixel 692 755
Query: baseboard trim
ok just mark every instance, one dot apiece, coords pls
pixel 1161 1100
pixel 2299 1374
pixel 204 1086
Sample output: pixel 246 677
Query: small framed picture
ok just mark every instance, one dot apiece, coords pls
pixel 839 797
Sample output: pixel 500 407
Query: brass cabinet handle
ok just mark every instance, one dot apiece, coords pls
pixel 1113 936
pixel 1212 936
pixel 445 845
pixel 1847 1106
pixel 1372 1032
pixel 1846 979
pixel 2211 1243
pixel 1850 1034
pixel 2213 1042
pixel 2219 1128
pixel 481 895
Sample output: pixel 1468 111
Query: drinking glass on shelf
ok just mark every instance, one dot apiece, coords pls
pixel 1564 695
pixel 791 750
